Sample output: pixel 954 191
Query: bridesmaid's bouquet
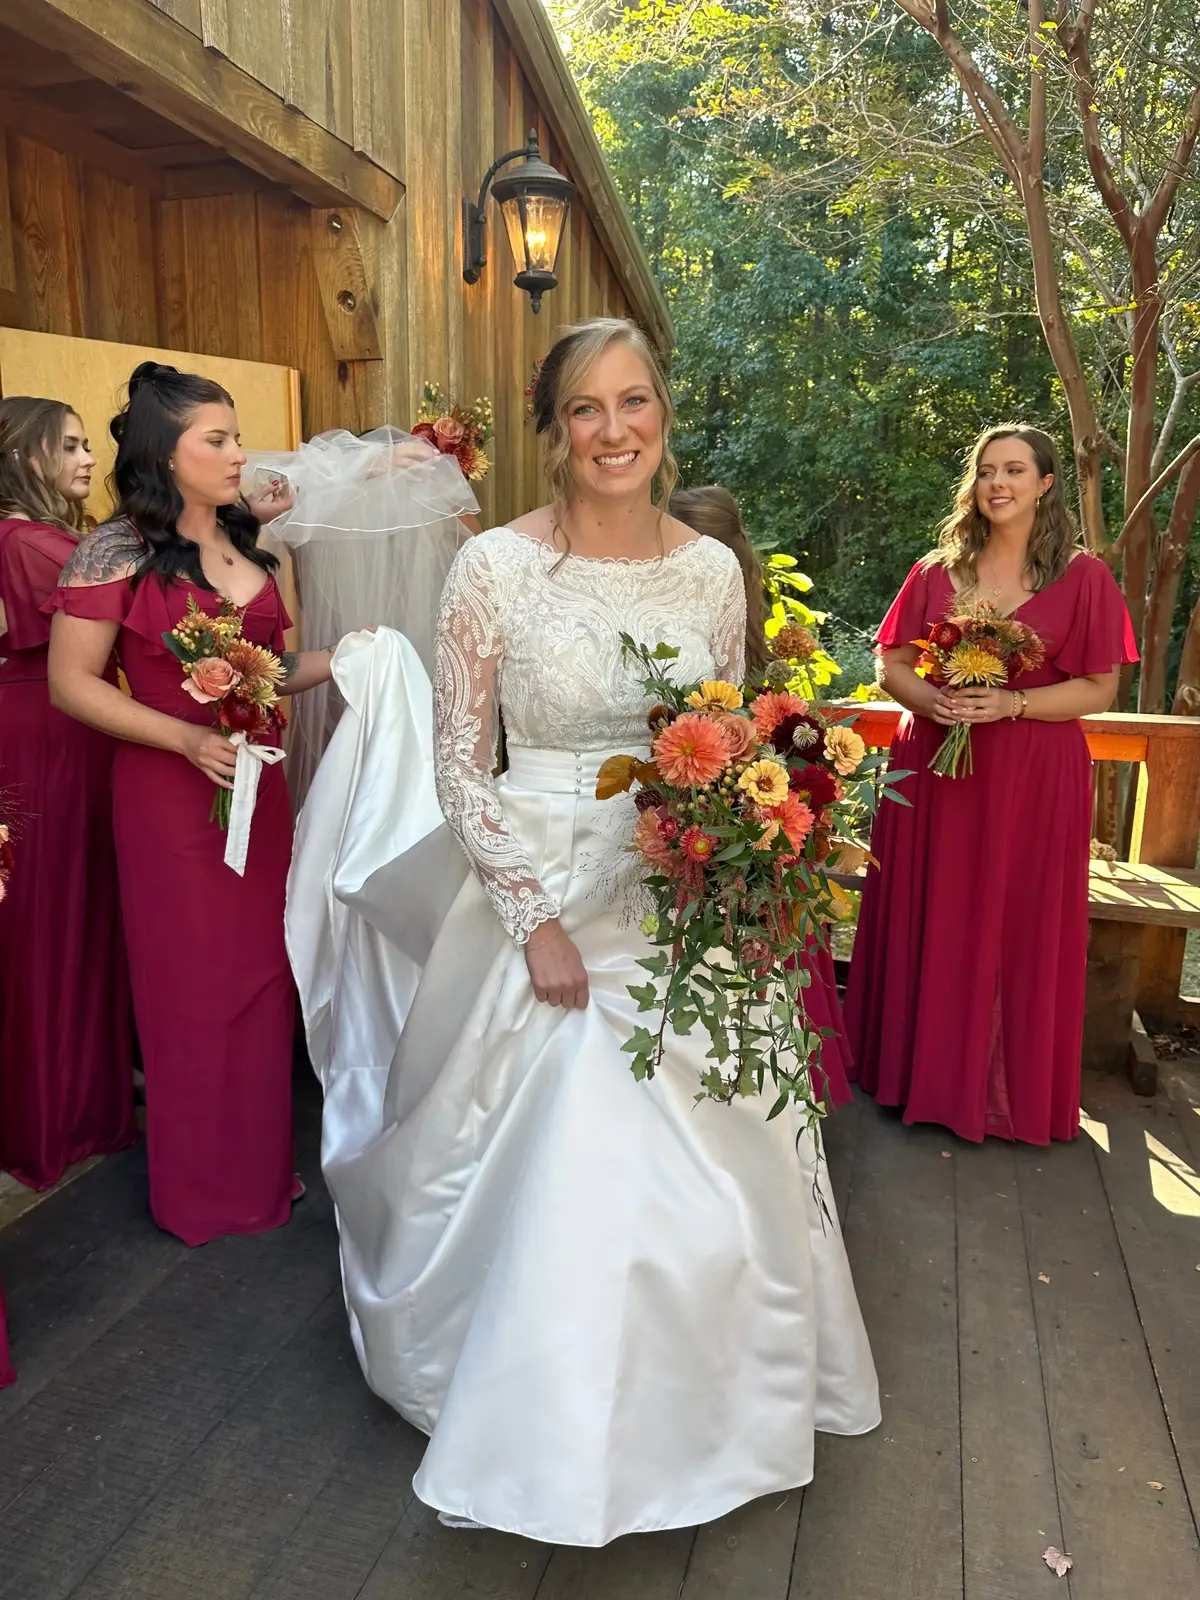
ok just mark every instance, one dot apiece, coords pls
pixel 975 648
pixel 743 800
pixel 238 679
pixel 459 431
pixel 7 828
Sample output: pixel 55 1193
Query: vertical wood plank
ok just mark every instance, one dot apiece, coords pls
pixel 48 237
pixel 170 248
pixel 477 100
pixel 186 12
pixel 1109 1434
pixel 294 330
pixel 319 44
pixel 377 71
pixel 252 36
pixel 118 261
pixel 223 311
pixel 8 259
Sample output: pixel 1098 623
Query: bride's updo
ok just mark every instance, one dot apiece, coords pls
pixel 562 374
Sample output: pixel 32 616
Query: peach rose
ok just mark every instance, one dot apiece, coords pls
pixel 449 430
pixel 741 733
pixel 210 679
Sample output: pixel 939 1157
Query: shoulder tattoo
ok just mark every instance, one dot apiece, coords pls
pixel 104 556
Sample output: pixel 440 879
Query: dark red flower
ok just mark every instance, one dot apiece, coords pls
pixel 814 785
pixel 647 799
pixel 241 716
pixel 945 635
pixel 425 430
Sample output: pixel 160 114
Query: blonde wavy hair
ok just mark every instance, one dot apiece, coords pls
pixel 31 436
pixel 963 536
pixel 561 375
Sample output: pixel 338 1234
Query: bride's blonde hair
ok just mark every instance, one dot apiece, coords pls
pixel 561 375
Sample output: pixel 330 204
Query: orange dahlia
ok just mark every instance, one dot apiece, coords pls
pixel 770 709
pixel 693 752
pixel 796 820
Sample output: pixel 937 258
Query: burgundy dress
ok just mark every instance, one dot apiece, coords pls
pixel 824 1011
pixel 212 989
pixel 965 1000
pixel 66 1047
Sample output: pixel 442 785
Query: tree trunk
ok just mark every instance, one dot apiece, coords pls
pixel 1187 689
pixel 1156 636
pixel 1139 451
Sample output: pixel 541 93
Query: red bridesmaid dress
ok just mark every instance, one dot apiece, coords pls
pixel 824 1011
pixel 212 988
pixel 66 1029
pixel 966 993
pixel 7 1375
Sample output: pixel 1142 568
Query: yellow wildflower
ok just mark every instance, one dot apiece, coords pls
pixel 715 695
pixel 766 782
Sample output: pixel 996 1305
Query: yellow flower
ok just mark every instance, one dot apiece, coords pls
pixel 845 749
pixel 969 664
pixel 715 695
pixel 766 782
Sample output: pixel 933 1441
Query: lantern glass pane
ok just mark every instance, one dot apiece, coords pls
pixel 543 230
pixel 515 223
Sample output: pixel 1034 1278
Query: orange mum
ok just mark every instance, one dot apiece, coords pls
pixel 692 753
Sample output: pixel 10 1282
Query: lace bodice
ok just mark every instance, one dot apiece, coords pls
pixel 525 632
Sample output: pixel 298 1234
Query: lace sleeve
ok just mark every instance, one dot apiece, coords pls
pixel 729 628
pixel 467 691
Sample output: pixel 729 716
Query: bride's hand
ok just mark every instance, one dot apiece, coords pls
pixel 556 968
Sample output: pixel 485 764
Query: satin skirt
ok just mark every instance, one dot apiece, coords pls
pixel 613 1309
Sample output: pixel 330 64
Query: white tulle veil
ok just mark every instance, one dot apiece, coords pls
pixel 372 535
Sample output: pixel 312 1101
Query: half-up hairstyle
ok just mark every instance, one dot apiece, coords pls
pixel 964 534
pixel 562 374
pixel 162 402
pixel 713 513
pixel 31 435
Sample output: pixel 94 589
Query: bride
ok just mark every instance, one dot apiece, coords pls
pixel 613 1310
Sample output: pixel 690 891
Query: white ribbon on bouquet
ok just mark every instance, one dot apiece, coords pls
pixel 250 761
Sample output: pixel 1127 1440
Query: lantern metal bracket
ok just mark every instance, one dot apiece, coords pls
pixel 474 217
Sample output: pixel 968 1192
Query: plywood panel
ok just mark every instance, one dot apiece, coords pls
pixel 92 374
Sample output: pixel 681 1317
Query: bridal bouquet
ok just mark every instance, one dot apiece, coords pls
pixel 739 805
pixel 238 679
pixel 976 647
pixel 459 431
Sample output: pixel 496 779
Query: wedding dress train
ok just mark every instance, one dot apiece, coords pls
pixel 612 1309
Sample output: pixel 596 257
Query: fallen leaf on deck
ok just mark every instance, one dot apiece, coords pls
pixel 1150 1484
pixel 945 1155
pixel 1058 1563
pixel 1042 1278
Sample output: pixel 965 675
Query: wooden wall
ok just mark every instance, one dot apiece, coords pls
pixel 432 91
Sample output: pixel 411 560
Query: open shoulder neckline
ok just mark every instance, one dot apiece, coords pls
pixel 1006 616
pixel 602 561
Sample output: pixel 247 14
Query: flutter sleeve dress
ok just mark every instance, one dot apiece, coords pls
pixel 212 990
pixel 966 993
pixel 66 1022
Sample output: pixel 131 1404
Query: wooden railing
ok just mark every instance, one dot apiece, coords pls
pixel 1166 828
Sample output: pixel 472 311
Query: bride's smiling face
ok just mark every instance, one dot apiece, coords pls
pixel 616 426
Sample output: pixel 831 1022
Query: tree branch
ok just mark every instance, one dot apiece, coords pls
pixel 1152 493
pixel 1156 212
pixel 1038 46
pixel 1075 44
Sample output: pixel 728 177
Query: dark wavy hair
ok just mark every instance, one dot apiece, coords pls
pixel 162 403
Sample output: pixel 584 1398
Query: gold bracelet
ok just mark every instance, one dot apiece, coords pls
pixel 1020 704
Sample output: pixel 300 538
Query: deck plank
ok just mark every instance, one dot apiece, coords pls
pixel 1010 1499
pixel 883 1513
pixel 88 1453
pixel 749 1552
pixel 425 1561
pixel 644 1566
pixel 1108 1430
pixel 1153 1188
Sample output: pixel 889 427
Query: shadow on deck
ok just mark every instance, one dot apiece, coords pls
pixel 193 1425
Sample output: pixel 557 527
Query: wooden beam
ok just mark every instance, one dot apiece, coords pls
pixel 532 37
pixel 346 295
pixel 74 136
pixel 158 62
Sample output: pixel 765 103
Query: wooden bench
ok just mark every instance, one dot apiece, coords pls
pixel 1125 898
pixel 1140 910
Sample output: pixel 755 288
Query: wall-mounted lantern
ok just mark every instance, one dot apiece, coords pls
pixel 534 200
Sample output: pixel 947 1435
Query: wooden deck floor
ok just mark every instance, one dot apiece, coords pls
pixel 192 1425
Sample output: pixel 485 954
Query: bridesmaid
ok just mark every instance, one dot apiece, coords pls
pixel 713 511
pixel 965 1001
pixel 66 1052
pixel 212 990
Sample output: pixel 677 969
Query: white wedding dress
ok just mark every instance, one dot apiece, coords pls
pixel 612 1309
